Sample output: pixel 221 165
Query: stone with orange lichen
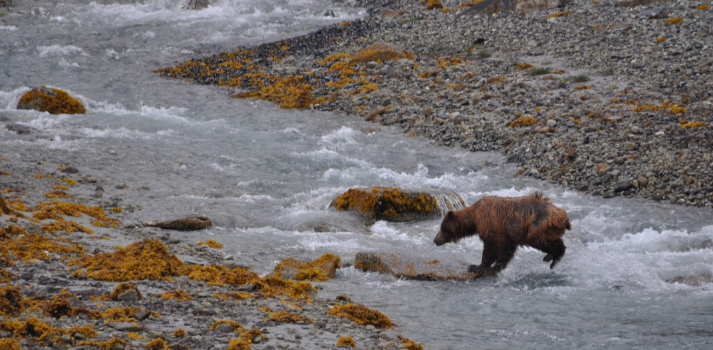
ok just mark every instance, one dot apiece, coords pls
pixel 185 224
pixel 50 100
pixel 147 259
pixel 394 204
pixel 381 52
pixel 322 269
pixel 407 266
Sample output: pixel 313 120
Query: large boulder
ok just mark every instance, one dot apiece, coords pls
pixel 408 266
pixel 395 204
pixel 54 101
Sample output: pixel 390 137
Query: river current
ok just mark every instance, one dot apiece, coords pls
pixel 266 177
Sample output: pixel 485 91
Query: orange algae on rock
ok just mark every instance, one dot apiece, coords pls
pixel 523 66
pixel 34 246
pixel 361 315
pixel 433 4
pixel 219 275
pixel 287 317
pixel 104 345
pixel 381 52
pixel 348 341
pixel 62 225
pixel 409 344
pixel 522 121
pixel 54 101
pixel 559 14
pixel 58 194
pixel 179 332
pixel 75 210
pixel 61 307
pixel 385 202
pixel 9 344
pixel 180 295
pixel 236 326
pixel 123 287
pixel 674 20
pixel 322 269
pixel 11 301
pixel 211 243
pixel 702 7
pixel 6 276
pixel 693 125
pixel 147 259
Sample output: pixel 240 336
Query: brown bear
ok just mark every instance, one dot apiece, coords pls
pixel 503 224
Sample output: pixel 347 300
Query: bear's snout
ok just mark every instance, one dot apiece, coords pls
pixel 438 240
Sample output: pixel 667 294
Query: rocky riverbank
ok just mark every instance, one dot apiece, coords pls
pixel 600 96
pixel 74 276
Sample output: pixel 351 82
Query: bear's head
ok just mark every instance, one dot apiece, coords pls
pixel 449 230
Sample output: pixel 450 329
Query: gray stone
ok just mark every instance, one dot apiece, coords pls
pixel 551 123
pixel 224 328
pixel 129 295
pixel 622 185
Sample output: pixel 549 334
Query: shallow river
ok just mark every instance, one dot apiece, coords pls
pixel 266 176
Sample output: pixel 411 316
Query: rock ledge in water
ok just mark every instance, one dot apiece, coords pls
pixel 322 269
pixel 187 224
pixel 411 267
pixel 395 204
pixel 54 101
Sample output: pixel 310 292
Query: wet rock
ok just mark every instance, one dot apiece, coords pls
pixel 197 4
pixel 70 170
pixel 224 328
pixel 322 269
pixel 694 280
pixel 393 204
pixel 50 100
pixel 186 224
pixel 412 267
pixel 129 295
pixel 20 129
pixel 622 185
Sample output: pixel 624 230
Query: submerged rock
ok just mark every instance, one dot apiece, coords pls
pixel 414 267
pixel 20 129
pixel 187 224
pixel 394 204
pixel 50 100
pixel 694 280
pixel 197 4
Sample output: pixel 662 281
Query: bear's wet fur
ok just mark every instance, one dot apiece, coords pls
pixel 504 224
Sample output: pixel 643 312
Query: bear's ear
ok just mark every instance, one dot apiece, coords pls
pixel 450 215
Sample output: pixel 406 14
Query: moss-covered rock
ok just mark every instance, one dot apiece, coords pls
pixel 411 267
pixel 395 204
pixel 322 269
pixel 50 100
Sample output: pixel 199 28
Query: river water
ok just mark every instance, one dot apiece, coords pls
pixel 266 177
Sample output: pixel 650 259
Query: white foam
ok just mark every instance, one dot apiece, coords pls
pixel 59 50
pixel 10 28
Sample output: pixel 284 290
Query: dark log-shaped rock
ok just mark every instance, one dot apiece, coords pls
pixel 187 224
pixel 407 266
